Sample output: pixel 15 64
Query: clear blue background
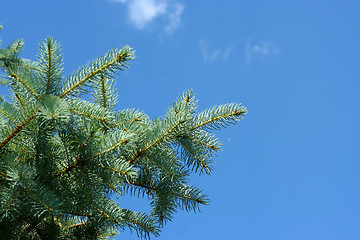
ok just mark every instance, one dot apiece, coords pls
pixel 290 170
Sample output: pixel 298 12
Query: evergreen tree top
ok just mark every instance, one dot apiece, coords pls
pixel 63 156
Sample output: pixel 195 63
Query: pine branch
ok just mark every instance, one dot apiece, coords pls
pixel 130 120
pixel 206 139
pixel 50 66
pixel 8 117
pixel 160 166
pixel 74 135
pixel 105 93
pixel 37 198
pixel 32 67
pixel 186 103
pixel 126 173
pixel 80 161
pixel 134 220
pixel 190 197
pixel 154 143
pixel 89 115
pixel 106 65
pixel 76 225
pixel 87 185
pixel 112 142
pixel 204 166
pixel 89 110
pixel 69 168
pixel 141 222
pixel 181 195
pixel 142 185
pixel 107 235
pixel 12 198
pixel 105 214
pixel 21 103
pixel 15 47
pixel 218 117
pixel 66 151
pixel 113 188
pixel 49 62
pixel 17 130
pixel 54 108
pixel 25 84
pixel 91 135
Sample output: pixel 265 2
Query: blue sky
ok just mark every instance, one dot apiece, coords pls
pixel 290 170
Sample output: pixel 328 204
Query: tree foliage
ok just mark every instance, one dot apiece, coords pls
pixel 65 150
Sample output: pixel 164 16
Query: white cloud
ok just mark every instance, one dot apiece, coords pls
pixel 212 55
pixel 142 12
pixel 253 51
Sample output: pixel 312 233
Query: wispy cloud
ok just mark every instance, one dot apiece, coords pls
pixel 143 12
pixel 263 49
pixel 218 54
pixel 174 17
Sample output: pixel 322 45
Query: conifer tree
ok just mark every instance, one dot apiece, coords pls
pixel 66 151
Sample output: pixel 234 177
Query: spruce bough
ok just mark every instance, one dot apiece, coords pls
pixel 64 158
